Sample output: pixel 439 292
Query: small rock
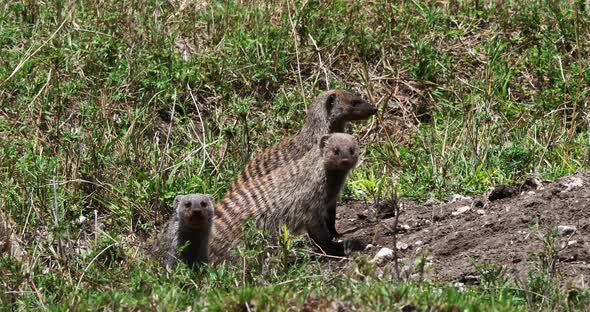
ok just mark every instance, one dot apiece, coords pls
pixel 461 210
pixel 81 220
pixel 409 308
pixel 458 197
pixel 572 183
pixel 431 202
pixel 525 219
pixel 386 209
pixel 419 243
pixel 401 246
pixel 460 286
pixel 572 242
pixel 532 183
pixel 481 211
pixel 566 230
pixel 383 254
pixel 502 191
pixel 478 203
pixel 404 227
pixel 369 246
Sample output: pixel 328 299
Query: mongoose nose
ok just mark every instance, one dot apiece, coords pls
pixel 346 162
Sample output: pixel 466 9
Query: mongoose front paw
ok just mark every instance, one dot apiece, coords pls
pixel 335 234
pixel 351 245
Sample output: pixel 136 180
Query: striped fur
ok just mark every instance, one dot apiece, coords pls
pixel 328 114
pixel 296 195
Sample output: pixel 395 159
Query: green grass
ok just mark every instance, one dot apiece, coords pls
pixel 111 109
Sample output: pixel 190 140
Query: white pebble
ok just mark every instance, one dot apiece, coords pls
pixel 382 255
pixel 461 210
pixel 566 229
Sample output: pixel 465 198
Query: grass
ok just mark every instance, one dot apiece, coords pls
pixel 109 110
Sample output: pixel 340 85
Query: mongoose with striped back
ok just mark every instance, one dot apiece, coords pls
pixel 329 113
pixel 186 235
pixel 298 196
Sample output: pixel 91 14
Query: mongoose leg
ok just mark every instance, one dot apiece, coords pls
pixel 318 232
pixel 331 221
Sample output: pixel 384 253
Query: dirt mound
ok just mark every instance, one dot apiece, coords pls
pixel 502 226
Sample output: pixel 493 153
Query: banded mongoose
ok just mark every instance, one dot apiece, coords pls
pixel 298 195
pixel 186 236
pixel 329 113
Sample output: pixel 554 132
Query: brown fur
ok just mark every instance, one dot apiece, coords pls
pixel 329 113
pixel 186 236
pixel 297 195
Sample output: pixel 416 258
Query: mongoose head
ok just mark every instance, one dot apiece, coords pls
pixel 339 151
pixel 343 106
pixel 194 210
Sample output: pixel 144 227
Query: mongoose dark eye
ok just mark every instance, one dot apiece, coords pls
pixel 355 103
pixel 336 151
pixel 203 204
pixel 187 204
pixel 351 151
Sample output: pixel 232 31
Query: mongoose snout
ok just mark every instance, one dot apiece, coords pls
pixel 360 109
pixel 196 210
pixel 342 155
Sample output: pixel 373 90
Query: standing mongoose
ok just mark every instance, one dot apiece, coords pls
pixel 186 236
pixel 329 113
pixel 298 195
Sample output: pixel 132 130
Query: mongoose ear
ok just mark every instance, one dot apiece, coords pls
pixel 177 201
pixel 212 201
pixel 323 140
pixel 330 102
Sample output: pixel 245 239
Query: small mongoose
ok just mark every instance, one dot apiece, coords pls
pixel 329 113
pixel 298 195
pixel 186 235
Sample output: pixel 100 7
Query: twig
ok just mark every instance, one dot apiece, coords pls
pixel 322 254
pixel 32 204
pixel 298 279
pixel 56 218
pixel 396 210
pixel 351 230
pixel 168 133
pixel 321 62
pixel 42 88
pixel 37 293
pixel 293 24
pixel 89 264
pixel 95 226
pixel 204 139
pixel 389 140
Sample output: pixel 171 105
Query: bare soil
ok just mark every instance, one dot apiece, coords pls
pixel 502 226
